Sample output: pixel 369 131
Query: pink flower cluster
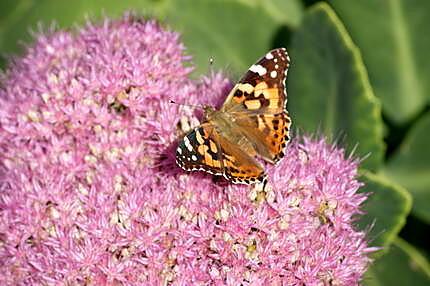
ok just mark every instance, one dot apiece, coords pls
pixel 90 194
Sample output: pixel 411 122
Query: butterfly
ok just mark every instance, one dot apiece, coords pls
pixel 253 121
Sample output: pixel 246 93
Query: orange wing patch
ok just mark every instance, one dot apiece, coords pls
pixel 239 167
pixel 270 133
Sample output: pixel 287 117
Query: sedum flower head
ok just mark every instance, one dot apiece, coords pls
pixel 90 195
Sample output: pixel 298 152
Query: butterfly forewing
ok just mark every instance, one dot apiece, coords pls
pixel 257 104
pixel 199 150
pixel 262 88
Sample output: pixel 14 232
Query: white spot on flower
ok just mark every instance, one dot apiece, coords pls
pixel 45 97
pixel 283 223
pixel 118 183
pixel 33 116
pixel 227 237
pixel 224 214
pixel 82 189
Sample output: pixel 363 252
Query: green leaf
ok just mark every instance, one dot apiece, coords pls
pixel 234 34
pixel 386 210
pixel 328 86
pixel 10 10
pixel 410 167
pixel 288 12
pixel 402 265
pixel 25 15
pixel 10 13
pixel 391 37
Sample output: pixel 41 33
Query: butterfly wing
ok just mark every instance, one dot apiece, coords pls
pixel 258 105
pixel 199 151
pixel 205 149
pixel 269 133
pixel 262 88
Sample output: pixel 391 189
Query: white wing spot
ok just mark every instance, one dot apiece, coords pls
pixel 276 66
pixel 269 56
pixel 258 69
pixel 179 150
pixel 194 158
pixel 273 74
pixel 188 144
pixel 275 60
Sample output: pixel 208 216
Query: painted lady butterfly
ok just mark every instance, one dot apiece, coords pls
pixel 252 121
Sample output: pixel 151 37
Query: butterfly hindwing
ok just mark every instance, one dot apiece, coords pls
pixel 238 163
pixel 270 133
pixel 206 149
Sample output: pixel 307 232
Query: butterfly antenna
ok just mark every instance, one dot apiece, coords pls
pixel 189 105
pixel 210 67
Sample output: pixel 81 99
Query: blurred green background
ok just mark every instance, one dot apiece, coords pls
pixel 360 75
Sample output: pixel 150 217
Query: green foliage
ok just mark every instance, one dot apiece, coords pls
pixel 204 32
pixel 288 12
pixel 403 265
pixel 207 35
pixel 20 17
pixel 386 210
pixel 410 167
pixel 329 88
pixel 391 36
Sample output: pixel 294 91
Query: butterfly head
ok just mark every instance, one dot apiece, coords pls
pixel 208 111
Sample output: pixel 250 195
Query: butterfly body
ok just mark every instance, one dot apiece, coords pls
pixel 252 122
